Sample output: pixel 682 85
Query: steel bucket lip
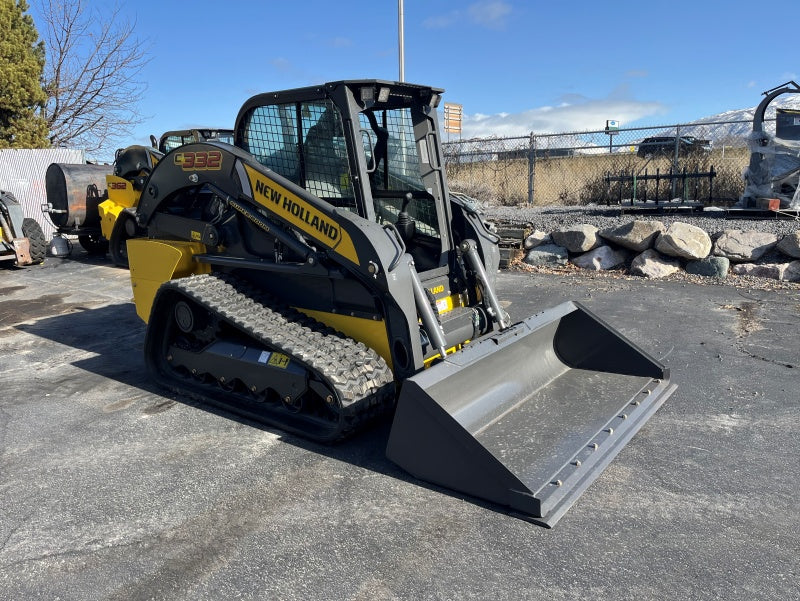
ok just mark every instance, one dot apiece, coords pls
pixel 574 478
pixel 538 500
pixel 545 502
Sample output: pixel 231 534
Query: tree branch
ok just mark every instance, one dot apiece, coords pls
pixel 91 75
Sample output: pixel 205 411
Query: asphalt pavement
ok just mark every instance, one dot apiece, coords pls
pixel 111 488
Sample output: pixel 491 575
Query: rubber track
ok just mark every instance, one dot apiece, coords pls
pixel 361 378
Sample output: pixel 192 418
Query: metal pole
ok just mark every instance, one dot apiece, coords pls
pixel 531 167
pixel 675 159
pixel 400 40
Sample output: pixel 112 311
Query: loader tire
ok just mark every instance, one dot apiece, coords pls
pixel 118 244
pixel 93 244
pixel 38 244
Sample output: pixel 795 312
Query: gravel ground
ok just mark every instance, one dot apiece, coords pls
pixel 549 218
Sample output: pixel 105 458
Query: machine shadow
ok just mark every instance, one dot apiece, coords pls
pixel 116 335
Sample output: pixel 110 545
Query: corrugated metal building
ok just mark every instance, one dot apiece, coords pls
pixel 22 173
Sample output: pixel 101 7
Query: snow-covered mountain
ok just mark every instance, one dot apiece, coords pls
pixel 708 128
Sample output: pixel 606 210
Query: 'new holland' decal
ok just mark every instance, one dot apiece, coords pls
pixel 301 214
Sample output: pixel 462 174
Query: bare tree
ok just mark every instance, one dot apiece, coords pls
pixel 91 74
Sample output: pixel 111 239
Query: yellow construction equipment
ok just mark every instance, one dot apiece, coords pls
pixel 318 274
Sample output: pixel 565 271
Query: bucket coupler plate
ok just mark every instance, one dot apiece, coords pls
pixel 529 417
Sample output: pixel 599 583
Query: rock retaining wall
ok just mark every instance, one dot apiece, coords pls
pixel 650 249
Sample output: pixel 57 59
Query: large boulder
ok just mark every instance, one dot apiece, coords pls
pixel 743 247
pixel 773 271
pixel 716 267
pixel 684 241
pixel 547 255
pixel 792 273
pixel 636 235
pixel 537 238
pixel 600 258
pixel 577 238
pixel 790 245
pixel 650 264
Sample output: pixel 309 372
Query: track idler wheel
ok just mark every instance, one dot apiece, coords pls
pixel 184 317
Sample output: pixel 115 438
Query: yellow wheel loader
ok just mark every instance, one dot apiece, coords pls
pixel 317 275
pixel 98 202
pixel 132 166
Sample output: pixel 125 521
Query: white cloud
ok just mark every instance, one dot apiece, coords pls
pixel 491 13
pixel 442 21
pixel 340 42
pixel 284 65
pixel 586 115
pixel 487 13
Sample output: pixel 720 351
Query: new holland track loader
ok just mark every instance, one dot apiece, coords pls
pixel 317 275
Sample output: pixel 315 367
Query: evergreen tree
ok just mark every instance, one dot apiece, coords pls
pixel 21 66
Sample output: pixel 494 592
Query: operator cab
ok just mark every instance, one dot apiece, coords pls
pixel 366 146
pixel 171 140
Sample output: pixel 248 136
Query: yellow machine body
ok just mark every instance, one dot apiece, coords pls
pixel 153 262
pixel 121 196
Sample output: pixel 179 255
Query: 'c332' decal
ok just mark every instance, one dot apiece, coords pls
pixel 301 214
pixel 203 160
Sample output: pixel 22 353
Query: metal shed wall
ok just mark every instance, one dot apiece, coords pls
pixel 22 173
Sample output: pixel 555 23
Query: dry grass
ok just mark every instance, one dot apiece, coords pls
pixel 581 179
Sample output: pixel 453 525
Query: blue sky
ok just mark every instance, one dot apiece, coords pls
pixel 516 66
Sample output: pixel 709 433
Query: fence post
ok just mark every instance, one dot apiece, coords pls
pixel 675 159
pixel 531 167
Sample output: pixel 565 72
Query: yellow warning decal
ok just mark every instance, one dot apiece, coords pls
pixel 278 360
pixel 301 214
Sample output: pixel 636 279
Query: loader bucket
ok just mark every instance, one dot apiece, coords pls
pixel 529 417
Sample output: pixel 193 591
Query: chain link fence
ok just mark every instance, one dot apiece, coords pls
pixel 700 162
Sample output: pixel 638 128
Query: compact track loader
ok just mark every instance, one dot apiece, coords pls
pixel 317 275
